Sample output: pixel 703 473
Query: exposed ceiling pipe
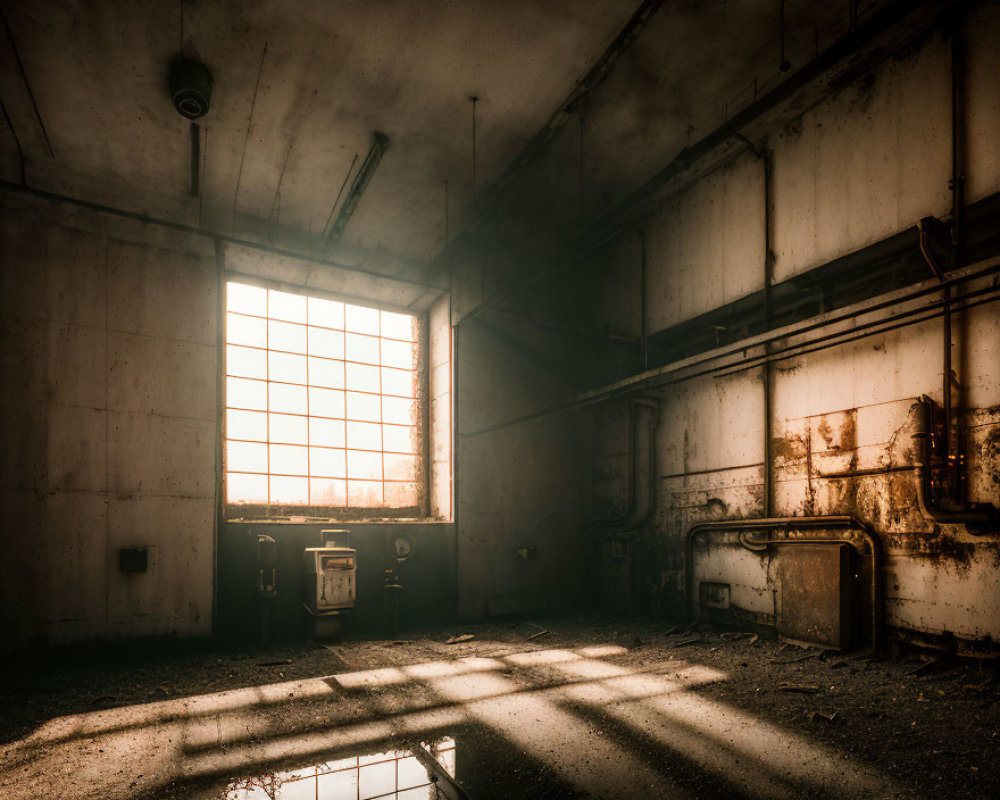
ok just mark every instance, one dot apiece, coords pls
pixel 380 142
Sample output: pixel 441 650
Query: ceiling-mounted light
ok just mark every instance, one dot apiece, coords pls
pixel 190 87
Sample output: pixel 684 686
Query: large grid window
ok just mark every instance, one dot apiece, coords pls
pixel 322 406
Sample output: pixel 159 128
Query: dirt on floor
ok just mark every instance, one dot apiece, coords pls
pixel 933 727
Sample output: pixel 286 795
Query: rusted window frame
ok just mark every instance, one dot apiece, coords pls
pixel 275 512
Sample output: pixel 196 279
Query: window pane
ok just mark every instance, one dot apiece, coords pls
pixel 286 368
pixel 326 402
pixel 364 494
pixel 323 372
pixel 246 425
pixel 400 495
pixel 364 436
pixel 361 320
pixel 375 780
pixel 397 382
pixel 363 465
pixel 399 467
pixel 246 330
pixel 364 407
pixel 282 305
pixel 327 492
pixel 398 354
pixel 290 399
pixel 362 348
pixel 399 439
pixel 326 462
pixel 399 326
pixel 288 459
pixel 288 429
pixel 247 299
pixel 289 491
pixel 243 393
pixel 362 378
pixel 326 432
pixel 328 313
pixel 246 457
pixel 399 410
pixel 286 336
pixel 246 362
pixel 410 772
pixel 246 488
pixel 329 344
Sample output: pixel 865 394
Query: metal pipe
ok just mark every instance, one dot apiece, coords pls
pixel 643 319
pixel 195 159
pixel 979 518
pixel 665 376
pixel 788 523
pixel 766 371
pixel 626 520
pixel 951 442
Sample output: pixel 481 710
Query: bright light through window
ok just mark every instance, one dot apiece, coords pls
pixel 321 403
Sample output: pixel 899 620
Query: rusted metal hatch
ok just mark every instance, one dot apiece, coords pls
pixel 815 595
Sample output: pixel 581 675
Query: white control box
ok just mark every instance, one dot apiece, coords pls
pixel 330 579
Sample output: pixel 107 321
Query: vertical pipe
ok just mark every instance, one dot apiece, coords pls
pixel 643 319
pixel 951 439
pixel 195 159
pixel 768 324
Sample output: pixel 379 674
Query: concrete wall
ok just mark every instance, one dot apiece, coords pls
pixel 110 376
pixel 520 484
pixel 108 425
pixel 866 163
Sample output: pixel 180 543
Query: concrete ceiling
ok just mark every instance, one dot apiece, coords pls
pixel 332 74
pixel 276 154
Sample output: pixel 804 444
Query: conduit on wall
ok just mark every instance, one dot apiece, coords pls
pixel 788 524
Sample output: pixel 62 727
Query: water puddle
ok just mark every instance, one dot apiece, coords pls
pixel 422 771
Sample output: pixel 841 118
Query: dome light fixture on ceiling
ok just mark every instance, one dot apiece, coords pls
pixel 190 87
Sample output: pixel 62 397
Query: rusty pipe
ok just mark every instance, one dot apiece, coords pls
pixel 743 526
pixel 979 518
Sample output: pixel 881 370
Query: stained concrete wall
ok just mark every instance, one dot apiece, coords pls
pixel 866 163
pixel 108 425
pixel 110 375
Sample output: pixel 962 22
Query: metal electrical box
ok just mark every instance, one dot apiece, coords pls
pixel 816 595
pixel 330 579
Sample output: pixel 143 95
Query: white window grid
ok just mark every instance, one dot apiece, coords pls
pixel 395 416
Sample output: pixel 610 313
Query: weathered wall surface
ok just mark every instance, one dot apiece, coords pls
pixel 865 164
pixel 521 485
pixel 110 407
pixel 108 425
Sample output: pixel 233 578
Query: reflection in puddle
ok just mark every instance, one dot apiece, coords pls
pixel 389 775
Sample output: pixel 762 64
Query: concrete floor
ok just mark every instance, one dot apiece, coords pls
pixel 589 709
